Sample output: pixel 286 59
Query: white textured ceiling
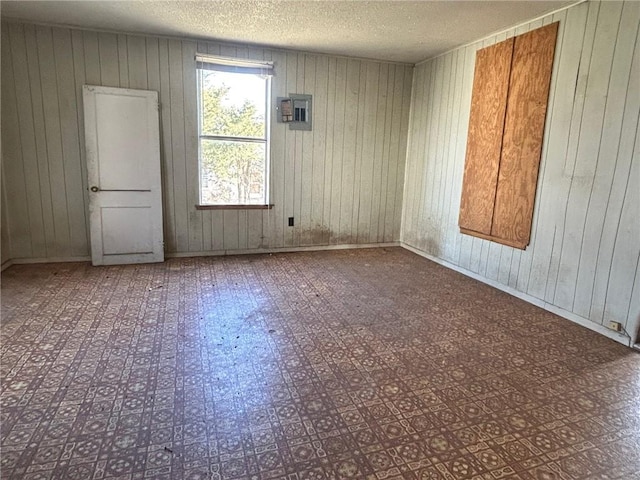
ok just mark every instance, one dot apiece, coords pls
pixel 397 30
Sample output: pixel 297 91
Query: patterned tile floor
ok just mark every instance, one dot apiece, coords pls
pixel 366 364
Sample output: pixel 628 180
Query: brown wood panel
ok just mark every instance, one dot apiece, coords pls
pixel 503 241
pixel 523 133
pixel 484 140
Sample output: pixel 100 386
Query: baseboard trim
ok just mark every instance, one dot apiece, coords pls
pixel 253 251
pixel 585 322
pixel 29 261
pixel 210 253
pixel 620 338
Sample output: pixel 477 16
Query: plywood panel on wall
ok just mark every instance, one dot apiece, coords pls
pixel 508 107
pixel 484 144
pixel 581 258
pixel 523 131
pixel 332 179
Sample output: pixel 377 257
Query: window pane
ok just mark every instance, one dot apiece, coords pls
pixel 232 172
pixel 232 104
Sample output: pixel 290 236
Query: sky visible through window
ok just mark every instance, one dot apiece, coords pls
pixel 243 87
pixel 232 106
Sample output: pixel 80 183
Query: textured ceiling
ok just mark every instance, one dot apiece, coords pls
pixel 397 30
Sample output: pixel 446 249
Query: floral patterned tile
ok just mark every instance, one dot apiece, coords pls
pixel 370 364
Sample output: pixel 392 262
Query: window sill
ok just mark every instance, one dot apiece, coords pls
pixel 234 207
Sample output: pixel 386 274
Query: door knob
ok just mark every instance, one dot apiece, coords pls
pixel 94 189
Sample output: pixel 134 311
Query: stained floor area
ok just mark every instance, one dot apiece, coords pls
pixel 366 364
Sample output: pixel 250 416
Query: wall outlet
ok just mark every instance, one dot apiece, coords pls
pixel 615 326
pixel 291 221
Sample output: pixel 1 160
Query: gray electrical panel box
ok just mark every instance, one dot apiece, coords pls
pixel 295 110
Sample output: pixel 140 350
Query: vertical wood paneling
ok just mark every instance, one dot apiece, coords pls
pixel 445 185
pixel 359 147
pixel 137 62
pixel 27 141
pixel 5 239
pixel 584 253
pixel 463 242
pixel 289 180
pixel 338 144
pixel 79 71
pixel 319 168
pixel 623 96
pixel 328 160
pixel 416 117
pixel 299 160
pixel 342 181
pixel 123 61
pixel 568 172
pixel 277 217
pixel 424 175
pixel 12 161
pixel 587 143
pixel 349 147
pixel 178 173
pixel 70 135
pixel 168 204
pixel 394 146
pixel 633 318
pixel 526 257
pixel 626 252
pixel 383 147
pixel 402 131
pixel 190 95
pixel 378 151
pixel 365 197
pixel 37 112
pixel 53 135
pixel 625 158
pixel 109 60
pixel 306 169
pixel 91 57
pixel 554 182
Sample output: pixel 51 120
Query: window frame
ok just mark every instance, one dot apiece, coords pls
pixel 243 67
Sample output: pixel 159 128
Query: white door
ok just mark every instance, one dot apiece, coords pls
pixel 123 165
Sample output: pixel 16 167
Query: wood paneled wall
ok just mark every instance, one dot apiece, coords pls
pixel 343 181
pixel 5 247
pixel 584 250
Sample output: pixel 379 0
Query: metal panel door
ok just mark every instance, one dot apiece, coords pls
pixel 123 165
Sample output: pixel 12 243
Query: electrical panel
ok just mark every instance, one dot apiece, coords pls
pixel 295 110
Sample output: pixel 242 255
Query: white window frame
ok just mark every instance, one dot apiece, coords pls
pixel 242 66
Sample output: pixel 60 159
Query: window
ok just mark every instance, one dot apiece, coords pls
pixel 233 127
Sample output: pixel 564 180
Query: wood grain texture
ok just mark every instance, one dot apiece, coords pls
pixel 523 134
pixel 12 162
pixel 484 141
pixel 606 193
pixel 44 69
pixel 583 254
pixel 573 53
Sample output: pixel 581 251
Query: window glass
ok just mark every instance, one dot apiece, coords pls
pixel 233 137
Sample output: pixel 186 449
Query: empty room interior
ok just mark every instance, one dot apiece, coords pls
pixel 300 240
